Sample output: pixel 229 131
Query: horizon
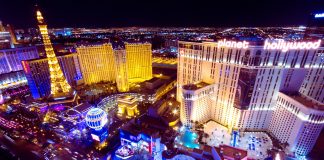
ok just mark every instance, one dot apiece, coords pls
pixel 103 14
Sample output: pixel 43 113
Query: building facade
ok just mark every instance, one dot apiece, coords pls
pixel 37 75
pixel 297 121
pixel 5 38
pixel 97 63
pixel 69 68
pixel 36 71
pixel 121 70
pixel 123 66
pixel 139 61
pixel 12 80
pixel 248 79
pixel 10 59
pixel 196 103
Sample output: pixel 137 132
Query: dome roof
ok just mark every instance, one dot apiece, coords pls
pixel 96 118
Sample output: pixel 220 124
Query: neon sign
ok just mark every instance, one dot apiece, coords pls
pixel 319 15
pixel 285 46
pixel 232 44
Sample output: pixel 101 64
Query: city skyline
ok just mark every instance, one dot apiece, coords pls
pixel 162 13
pixel 162 93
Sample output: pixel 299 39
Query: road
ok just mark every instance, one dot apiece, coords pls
pixel 20 148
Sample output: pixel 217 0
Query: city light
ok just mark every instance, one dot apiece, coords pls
pixel 58 82
pixel 319 15
pixel 175 111
pixel 161 92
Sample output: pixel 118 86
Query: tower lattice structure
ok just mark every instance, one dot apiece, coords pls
pixel 59 85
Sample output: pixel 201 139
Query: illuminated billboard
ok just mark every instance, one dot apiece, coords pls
pixel 285 46
pixel 232 44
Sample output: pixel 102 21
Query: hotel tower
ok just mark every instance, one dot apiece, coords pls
pixel 125 66
pixel 59 85
pixel 255 88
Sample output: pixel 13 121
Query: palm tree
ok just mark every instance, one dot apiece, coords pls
pixel 285 145
pixel 268 152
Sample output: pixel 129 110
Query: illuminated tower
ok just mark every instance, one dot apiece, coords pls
pixel 139 61
pixel 97 63
pixel 121 70
pixel 59 85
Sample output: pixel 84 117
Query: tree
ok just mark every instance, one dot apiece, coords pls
pixel 285 145
pixel 268 152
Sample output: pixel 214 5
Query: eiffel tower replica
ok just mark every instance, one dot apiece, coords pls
pixel 61 91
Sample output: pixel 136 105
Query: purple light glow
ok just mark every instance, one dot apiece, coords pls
pixel 59 107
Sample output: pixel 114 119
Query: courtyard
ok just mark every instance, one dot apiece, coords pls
pixel 256 143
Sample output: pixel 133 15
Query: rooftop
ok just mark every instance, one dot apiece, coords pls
pixel 304 101
pixel 127 99
pixel 136 129
pixel 145 125
pixel 233 152
pixel 82 107
pixel 152 80
pixel 195 86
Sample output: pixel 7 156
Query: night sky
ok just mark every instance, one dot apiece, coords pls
pixel 157 13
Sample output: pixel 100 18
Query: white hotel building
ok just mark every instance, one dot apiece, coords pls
pixel 247 81
pixel 297 121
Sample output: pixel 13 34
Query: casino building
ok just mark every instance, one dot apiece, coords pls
pixel 37 74
pixel 131 64
pixel 96 63
pixel 10 59
pixel 11 74
pixel 247 80
pixel 297 121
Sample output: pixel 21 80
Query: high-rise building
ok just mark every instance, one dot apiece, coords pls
pixel 121 70
pixel 10 59
pixel 248 78
pixel 5 38
pixel 37 74
pixel 297 121
pixel 13 37
pixel 123 66
pixel 196 102
pixel 69 68
pixel 97 63
pixel 139 61
pixel 59 85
